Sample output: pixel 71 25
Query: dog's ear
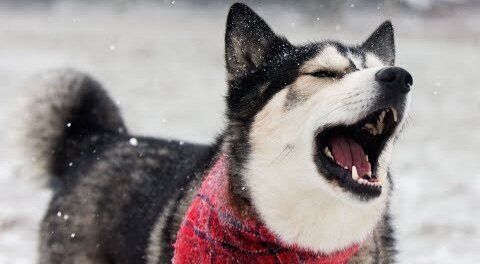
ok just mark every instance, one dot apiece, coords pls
pixel 381 43
pixel 249 41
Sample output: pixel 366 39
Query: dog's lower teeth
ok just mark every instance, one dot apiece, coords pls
pixel 328 153
pixel 354 173
pixel 364 180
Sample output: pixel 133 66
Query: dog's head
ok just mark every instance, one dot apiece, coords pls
pixel 311 129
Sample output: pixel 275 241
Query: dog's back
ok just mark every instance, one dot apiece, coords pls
pixel 111 190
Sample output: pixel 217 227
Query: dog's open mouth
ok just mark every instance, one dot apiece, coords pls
pixel 348 155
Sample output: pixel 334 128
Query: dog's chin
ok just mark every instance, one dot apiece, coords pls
pixel 348 156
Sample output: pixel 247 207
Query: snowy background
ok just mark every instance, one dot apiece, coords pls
pixel 163 63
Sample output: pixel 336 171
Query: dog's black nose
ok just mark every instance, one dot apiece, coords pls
pixel 395 78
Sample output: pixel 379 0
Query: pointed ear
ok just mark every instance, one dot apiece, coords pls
pixel 381 43
pixel 248 41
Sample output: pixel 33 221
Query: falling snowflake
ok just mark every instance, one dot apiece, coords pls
pixel 133 141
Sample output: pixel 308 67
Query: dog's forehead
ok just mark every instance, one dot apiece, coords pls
pixel 337 57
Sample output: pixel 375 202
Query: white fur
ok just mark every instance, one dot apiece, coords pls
pixel 154 249
pixel 328 58
pixel 291 197
pixel 372 61
pixel 356 60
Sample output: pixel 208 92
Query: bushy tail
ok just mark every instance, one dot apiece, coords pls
pixel 68 116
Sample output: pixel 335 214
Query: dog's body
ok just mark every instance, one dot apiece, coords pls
pixel 122 199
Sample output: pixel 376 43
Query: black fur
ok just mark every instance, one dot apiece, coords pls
pixel 382 43
pixel 94 121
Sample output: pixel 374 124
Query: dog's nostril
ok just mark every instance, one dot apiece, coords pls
pixel 408 80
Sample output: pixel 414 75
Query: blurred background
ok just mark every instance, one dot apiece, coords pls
pixel 162 61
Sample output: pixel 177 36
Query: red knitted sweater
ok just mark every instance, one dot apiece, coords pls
pixel 211 232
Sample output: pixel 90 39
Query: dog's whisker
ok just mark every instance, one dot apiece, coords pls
pixel 286 150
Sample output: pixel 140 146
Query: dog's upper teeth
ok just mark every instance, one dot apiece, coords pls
pixel 354 173
pixel 366 157
pixel 382 115
pixel 371 128
pixel 380 124
pixel 327 152
pixel 395 114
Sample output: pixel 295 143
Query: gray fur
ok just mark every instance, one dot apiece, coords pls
pixel 53 97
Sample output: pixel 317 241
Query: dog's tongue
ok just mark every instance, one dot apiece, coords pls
pixel 348 153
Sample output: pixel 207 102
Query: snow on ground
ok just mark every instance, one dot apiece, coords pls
pixel 165 68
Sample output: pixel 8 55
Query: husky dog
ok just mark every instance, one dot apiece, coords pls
pixel 308 144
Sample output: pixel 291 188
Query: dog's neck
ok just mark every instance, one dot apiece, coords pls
pixel 213 232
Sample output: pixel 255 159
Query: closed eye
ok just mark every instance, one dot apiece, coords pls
pixel 326 74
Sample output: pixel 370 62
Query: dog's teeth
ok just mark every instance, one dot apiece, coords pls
pixel 354 173
pixel 380 123
pixel 371 129
pixel 328 153
pixel 366 157
pixel 382 115
pixel 369 174
pixel 380 127
pixel 395 115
